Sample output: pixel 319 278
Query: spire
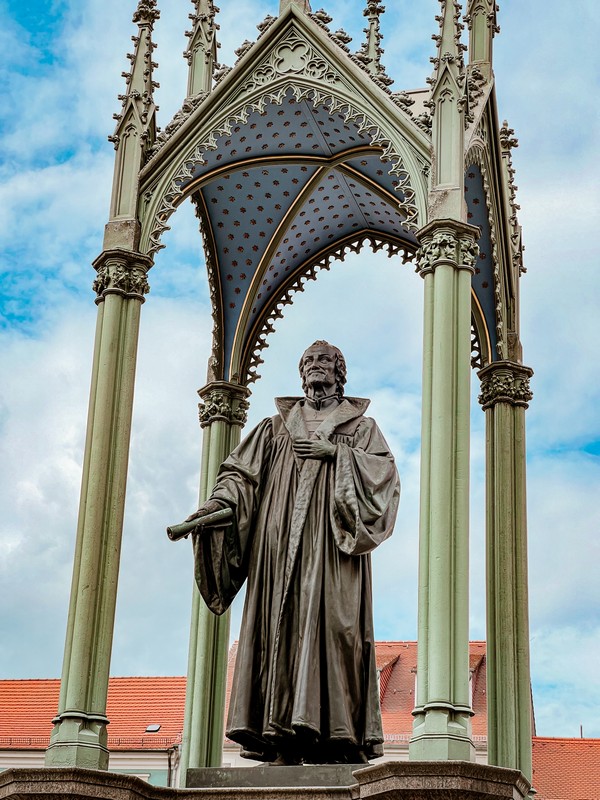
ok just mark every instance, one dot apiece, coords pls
pixel 482 22
pixel 447 104
pixel 370 52
pixel 135 132
pixel 201 54
pixel 449 46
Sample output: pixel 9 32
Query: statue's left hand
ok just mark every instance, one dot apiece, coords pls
pixel 319 448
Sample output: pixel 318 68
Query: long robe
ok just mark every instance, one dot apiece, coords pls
pixel 305 673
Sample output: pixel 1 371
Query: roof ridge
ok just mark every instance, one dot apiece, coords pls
pixel 145 677
pixel 583 739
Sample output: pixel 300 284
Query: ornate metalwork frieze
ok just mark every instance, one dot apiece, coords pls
pixel 508 141
pixel 505 382
pixel 223 401
pixel 478 155
pixel 476 353
pixel 258 339
pixel 121 272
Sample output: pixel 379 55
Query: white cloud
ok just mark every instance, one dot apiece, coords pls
pixel 564 521
pixel 566 691
pixel 54 201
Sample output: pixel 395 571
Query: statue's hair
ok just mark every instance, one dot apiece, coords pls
pixel 340 366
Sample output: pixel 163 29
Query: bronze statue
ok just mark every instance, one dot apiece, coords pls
pixel 313 490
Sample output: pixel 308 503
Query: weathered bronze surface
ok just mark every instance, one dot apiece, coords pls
pixel 216 519
pixel 314 489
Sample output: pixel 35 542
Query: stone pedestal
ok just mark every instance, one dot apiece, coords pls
pixel 395 780
pixel 439 780
pixel 267 776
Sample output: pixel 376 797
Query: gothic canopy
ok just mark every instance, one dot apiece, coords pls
pixel 297 155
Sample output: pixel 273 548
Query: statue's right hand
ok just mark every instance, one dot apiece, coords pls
pixel 206 508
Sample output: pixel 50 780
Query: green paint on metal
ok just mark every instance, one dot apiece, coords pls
pixel 505 395
pixel 442 728
pixel 79 736
pixel 203 732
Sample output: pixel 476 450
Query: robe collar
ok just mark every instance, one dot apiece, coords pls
pixel 290 411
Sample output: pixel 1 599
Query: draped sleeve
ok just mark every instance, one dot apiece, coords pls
pixel 221 555
pixel 365 491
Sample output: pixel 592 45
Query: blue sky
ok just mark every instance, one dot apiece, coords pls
pixel 60 73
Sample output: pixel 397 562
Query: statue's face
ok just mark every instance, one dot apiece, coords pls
pixel 318 367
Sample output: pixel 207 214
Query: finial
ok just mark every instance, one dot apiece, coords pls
pixel 201 54
pixel 508 140
pixel 303 5
pixel 146 12
pixel 140 85
pixel 370 52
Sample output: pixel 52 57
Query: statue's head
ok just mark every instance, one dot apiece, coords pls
pixel 321 351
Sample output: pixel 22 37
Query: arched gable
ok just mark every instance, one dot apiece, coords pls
pixel 295 156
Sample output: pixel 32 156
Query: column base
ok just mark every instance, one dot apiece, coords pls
pixel 441 735
pixel 78 741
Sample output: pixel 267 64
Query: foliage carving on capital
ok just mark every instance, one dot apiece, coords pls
pixel 505 382
pixel 121 275
pixel 468 252
pixel 447 246
pixel 225 402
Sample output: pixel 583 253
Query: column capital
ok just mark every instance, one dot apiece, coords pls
pixel 450 242
pixel 505 382
pixel 121 272
pixel 224 401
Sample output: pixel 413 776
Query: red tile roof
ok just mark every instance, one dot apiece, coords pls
pixel 398 698
pixel 134 703
pixel 563 769
pixel 28 707
pixel 566 769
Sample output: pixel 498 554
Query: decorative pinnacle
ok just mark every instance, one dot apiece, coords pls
pixel 450 49
pixel 201 54
pixel 490 11
pixel 370 52
pixel 140 85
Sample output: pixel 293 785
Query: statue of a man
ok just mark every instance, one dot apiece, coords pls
pixel 313 489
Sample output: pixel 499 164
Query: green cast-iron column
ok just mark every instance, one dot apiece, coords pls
pixel 442 728
pixel 222 416
pixel 79 737
pixel 505 395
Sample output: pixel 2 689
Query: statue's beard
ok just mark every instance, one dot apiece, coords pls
pixel 318 380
